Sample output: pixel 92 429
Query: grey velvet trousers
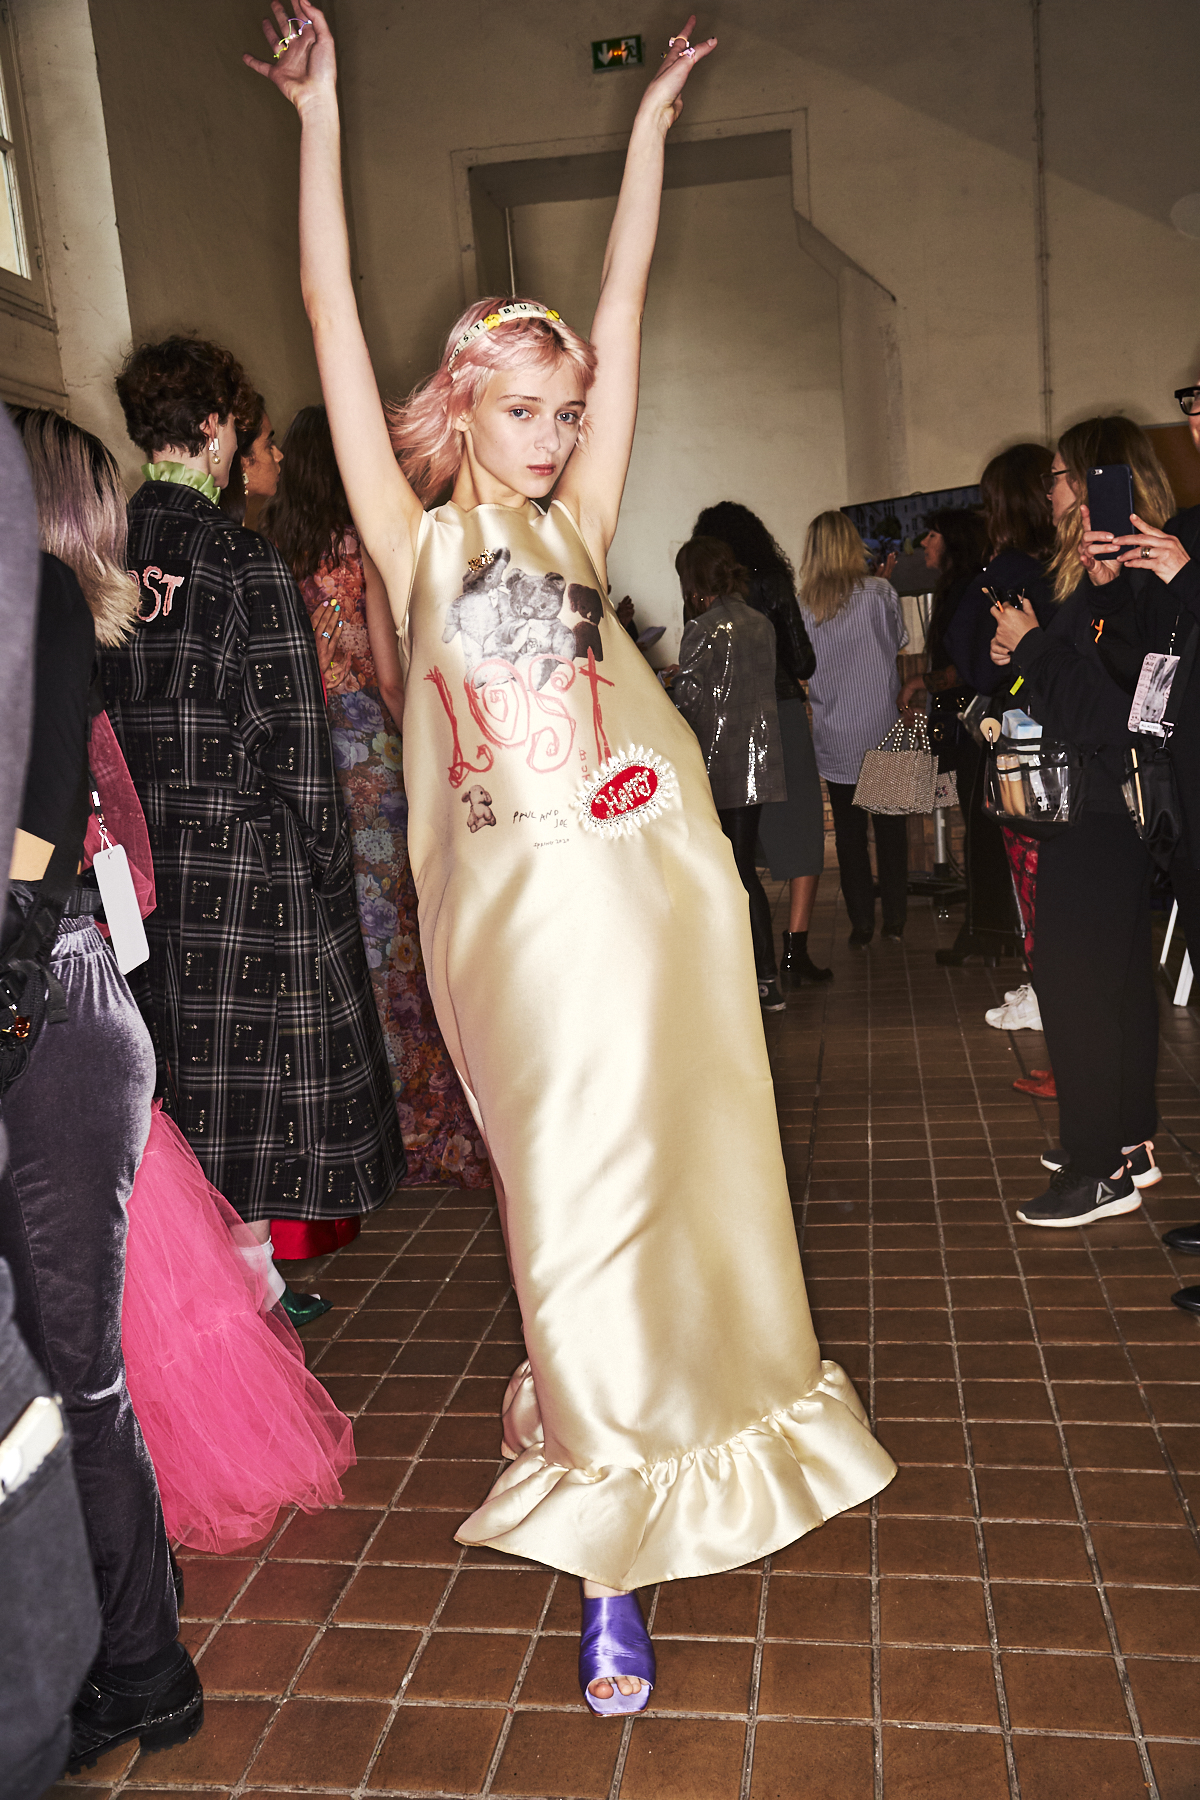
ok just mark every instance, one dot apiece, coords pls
pixel 77 1122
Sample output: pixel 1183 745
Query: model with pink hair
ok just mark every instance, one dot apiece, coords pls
pixel 586 936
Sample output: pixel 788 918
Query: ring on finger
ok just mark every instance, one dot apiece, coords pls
pixel 1145 549
pixel 326 634
pixel 282 45
pixel 671 42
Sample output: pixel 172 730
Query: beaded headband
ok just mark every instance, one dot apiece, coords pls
pixel 503 315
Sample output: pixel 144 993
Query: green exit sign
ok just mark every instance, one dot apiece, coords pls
pixel 616 53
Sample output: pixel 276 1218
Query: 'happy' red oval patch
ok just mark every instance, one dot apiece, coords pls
pixel 631 787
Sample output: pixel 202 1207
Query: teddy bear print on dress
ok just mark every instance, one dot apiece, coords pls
pixel 477 611
pixel 515 616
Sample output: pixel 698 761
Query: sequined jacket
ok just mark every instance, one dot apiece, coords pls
pixel 725 689
pixel 262 997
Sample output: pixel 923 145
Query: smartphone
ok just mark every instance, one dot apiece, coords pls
pixel 1110 502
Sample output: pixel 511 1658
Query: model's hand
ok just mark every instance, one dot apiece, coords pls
pixel 1012 624
pixel 625 611
pixel 662 101
pixel 308 66
pixel 888 564
pixel 1153 549
pixel 1098 573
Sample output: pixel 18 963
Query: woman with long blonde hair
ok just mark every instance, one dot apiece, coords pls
pixel 1090 445
pixel 857 630
pixel 573 881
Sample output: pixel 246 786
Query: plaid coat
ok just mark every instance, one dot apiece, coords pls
pixel 262 997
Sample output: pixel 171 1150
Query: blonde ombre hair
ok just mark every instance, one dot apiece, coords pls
pixel 81 515
pixel 1091 445
pixel 833 565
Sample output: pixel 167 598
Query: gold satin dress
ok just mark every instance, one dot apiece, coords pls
pixel 587 944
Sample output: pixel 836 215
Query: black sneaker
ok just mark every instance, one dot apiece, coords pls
pixel 770 998
pixel 162 1710
pixel 1079 1199
pixel 1140 1162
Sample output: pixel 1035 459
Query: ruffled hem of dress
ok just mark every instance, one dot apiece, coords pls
pixel 695 1514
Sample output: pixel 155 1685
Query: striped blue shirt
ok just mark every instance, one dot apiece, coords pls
pixel 854 689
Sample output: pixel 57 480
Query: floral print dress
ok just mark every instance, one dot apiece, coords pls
pixel 440 1136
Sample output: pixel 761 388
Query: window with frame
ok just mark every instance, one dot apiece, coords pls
pixel 21 277
pixel 14 256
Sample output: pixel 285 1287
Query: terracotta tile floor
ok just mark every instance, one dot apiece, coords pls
pixel 1017 1613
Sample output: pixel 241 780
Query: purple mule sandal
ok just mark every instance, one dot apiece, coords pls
pixel 614 1641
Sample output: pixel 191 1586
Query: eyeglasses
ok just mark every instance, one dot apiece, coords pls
pixel 1189 400
pixel 1054 475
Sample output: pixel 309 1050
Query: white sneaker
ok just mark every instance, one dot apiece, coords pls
pixel 1021 1013
pixel 1016 993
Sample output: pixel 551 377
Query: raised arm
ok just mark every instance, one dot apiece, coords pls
pixel 381 632
pixel 385 509
pixel 594 478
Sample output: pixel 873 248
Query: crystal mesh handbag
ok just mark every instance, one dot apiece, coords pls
pixel 899 776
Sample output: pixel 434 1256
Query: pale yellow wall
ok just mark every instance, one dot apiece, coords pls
pixel 731 299
pixel 204 167
pixel 83 264
pixel 920 169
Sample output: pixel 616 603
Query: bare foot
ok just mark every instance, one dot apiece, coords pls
pixel 601 1687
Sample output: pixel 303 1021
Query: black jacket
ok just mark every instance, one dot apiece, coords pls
pixel 1159 612
pixel 795 659
pixel 972 628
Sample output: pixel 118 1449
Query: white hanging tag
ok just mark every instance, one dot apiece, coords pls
pixel 122 914
pixel 1152 693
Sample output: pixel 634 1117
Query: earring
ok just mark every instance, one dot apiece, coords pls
pixel 215 448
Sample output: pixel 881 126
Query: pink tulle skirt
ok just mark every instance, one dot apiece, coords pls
pixel 235 1425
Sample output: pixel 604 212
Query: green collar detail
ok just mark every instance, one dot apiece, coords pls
pixel 185 477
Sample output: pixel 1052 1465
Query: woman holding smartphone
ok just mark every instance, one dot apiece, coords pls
pixel 1094 971
pixel 674 1417
pixel 1160 567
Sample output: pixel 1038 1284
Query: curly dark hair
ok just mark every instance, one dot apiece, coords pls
pixel 168 390
pixel 310 514
pixel 747 537
pixel 772 578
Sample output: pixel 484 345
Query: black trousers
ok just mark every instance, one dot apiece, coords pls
pixel 77 1122
pixel 854 861
pixel 740 825
pixel 991 907
pixel 1094 976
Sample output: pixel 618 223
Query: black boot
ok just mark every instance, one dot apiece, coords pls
pixel 797 966
pixel 160 1701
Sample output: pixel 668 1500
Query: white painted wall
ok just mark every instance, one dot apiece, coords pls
pixel 741 380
